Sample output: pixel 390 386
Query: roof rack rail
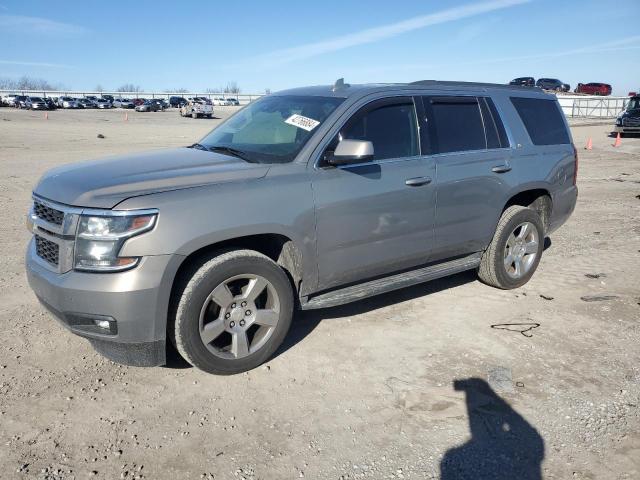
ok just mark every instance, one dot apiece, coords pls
pixel 446 83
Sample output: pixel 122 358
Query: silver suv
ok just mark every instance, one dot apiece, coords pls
pixel 307 198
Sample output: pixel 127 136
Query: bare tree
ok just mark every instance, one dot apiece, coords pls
pixel 129 87
pixel 176 90
pixel 99 88
pixel 267 91
pixel 232 87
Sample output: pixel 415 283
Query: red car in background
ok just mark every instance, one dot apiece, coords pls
pixel 603 89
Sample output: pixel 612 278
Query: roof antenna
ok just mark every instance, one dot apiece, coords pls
pixel 339 85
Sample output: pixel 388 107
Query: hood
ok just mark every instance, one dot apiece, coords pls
pixel 105 183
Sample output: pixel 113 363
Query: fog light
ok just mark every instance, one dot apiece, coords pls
pixel 102 324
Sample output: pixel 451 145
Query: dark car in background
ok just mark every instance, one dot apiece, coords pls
pixel 149 106
pixel 594 88
pixel 138 101
pixel 109 98
pixel 524 81
pixel 20 101
pixel 629 121
pixel 177 101
pixel 553 84
pixel 51 103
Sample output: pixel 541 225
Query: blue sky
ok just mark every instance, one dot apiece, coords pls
pixel 279 44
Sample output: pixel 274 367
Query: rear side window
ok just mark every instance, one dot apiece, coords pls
pixel 542 119
pixel 458 124
pixel 493 121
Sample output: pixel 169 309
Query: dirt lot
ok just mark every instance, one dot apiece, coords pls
pixel 361 391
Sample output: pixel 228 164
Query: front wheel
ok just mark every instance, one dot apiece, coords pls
pixel 194 115
pixel 232 312
pixel 515 250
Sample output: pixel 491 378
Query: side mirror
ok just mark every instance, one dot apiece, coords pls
pixel 348 152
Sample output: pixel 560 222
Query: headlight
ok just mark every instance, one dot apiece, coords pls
pixel 101 235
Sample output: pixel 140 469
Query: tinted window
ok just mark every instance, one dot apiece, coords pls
pixel 497 122
pixel 543 120
pixel 391 128
pixel 458 124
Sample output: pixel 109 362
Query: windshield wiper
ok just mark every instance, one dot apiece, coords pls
pixel 199 146
pixel 231 151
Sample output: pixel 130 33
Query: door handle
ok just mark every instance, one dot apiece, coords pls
pixel 417 181
pixel 501 169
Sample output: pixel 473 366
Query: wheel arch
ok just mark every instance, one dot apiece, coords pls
pixel 539 199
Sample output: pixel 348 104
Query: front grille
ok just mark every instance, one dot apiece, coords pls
pixel 631 121
pixel 48 214
pixel 47 250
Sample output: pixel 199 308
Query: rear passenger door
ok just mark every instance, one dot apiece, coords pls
pixel 474 174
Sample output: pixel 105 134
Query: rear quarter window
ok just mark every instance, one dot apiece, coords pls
pixel 543 120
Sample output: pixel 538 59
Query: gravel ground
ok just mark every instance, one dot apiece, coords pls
pixel 412 384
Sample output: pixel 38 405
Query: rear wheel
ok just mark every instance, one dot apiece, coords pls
pixel 232 313
pixel 514 253
pixel 194 115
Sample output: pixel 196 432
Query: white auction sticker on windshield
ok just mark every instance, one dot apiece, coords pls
pixel 303 122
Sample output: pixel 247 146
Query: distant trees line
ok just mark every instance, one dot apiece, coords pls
pixel 29 83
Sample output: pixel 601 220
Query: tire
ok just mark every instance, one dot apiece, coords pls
pixel 262 322
pixel 208 115
pixel 194 115
pixel 525 252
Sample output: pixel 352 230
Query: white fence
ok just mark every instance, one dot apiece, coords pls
pixel 575 106
pixel 243 98
pixel 592 106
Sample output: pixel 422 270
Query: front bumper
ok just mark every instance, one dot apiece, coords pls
pixel 624 129
pixel 135 302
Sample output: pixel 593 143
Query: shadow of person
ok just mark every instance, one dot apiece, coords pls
pixel 503 445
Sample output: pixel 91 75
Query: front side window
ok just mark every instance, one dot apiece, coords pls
pixel 272 129
pixel 458 125
pixel 391 128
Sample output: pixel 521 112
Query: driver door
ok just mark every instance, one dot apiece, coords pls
pixel 377 217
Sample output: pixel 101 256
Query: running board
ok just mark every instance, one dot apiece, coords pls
pixel 394 282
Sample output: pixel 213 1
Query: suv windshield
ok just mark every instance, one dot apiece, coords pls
pixel 634 104
pixel 273 129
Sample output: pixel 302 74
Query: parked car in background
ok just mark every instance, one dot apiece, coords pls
pixel 36 103
pixel 196 109
pixel 333 200
pixel 523 81
pixel 68 102
pixel 149 106
pixel 219 101
pixel 553 84
pixel 123 103
pixel 177 101
pixel 103 103
pixel 52 103
pixel 629 121
pixel 9 100
pixel 85 103
pixel 138 101
pixel 20 101
pixel 233 101
pixel 162 102
pixel 93 98
pixel 108 97
pixel 600 89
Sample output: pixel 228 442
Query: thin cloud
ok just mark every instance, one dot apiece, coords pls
pixel 377 34
pixel 34 64
pixel 37 25
pixel 627 43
